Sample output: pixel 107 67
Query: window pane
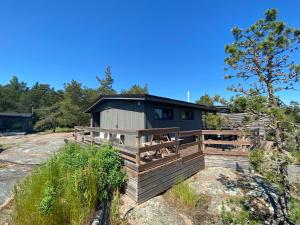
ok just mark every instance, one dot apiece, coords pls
pixel 163 114
pixel 158 114
pixel 187 115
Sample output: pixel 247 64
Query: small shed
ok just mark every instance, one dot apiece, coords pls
pixel 15 122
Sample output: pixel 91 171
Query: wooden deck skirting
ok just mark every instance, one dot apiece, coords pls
pixel 148 178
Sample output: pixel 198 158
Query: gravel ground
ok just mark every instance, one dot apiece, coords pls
pixel 22 154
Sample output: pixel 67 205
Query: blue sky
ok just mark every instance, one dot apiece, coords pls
pixel 173 46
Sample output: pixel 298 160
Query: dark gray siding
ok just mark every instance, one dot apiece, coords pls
pixel 194 124
pixel 118 114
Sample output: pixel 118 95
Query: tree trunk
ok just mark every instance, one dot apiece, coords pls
pixel 281 211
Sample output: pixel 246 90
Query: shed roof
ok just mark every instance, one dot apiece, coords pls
pixel 147 97
pixel 15 114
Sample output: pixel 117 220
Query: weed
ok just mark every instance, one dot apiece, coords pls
pixel 115 216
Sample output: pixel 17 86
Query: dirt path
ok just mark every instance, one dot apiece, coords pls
pixel 22 153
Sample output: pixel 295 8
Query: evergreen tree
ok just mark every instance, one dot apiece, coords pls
pixel 106 83
pixel 136 89
pixel 260 57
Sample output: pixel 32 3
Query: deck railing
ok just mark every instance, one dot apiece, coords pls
pixel 177 141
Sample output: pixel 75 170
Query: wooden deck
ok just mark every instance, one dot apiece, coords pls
pixel 155 165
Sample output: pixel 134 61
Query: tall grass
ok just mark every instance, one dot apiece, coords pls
pixel 68 187
pixel 181 194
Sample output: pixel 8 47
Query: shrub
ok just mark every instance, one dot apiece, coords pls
pixel 67 188
pixel 256 158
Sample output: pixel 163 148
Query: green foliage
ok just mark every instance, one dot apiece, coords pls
pixel 106 83
pixel 216 121
pixel 256 158
pixel 295 211
pixel 238 213
pixel 115 217
pixel 47 201
pixel 210 101
pixel 205 100
pixel 68 187
pixel 182 195
pixel 136 89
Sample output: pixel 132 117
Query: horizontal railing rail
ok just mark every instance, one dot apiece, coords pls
pixel 157 131
pixel 98 129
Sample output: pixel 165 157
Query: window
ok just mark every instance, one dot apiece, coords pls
pixel 187 115
pixel 163 114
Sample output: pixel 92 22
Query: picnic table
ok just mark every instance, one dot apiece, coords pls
pixel 160 139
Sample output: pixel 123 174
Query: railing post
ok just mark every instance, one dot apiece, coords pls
pixel 199 140
pixel 202 142
pixel 138 140
pixel 176 139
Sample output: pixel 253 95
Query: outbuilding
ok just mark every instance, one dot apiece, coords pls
pixel 15 122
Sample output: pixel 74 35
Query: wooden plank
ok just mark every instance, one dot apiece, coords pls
pixel 172 178
pixel 191 156
pixel 225 153
pixel 224 132
pixel 115 131
pixel 157 131
pixel 157 146
pixel 157 162
pixel 130 165
pixel 126 148
pixel 143 175
pixel 190 133
pixel 189 144
pixel 127 157
pixel 166 184
pixel 165 174
pixel 220 142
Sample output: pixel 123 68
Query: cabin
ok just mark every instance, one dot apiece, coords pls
pixel 161 140
pixel 15 122
pixel 143 111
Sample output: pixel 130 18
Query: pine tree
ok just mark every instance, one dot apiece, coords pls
pixel 106 83
pixel 260 57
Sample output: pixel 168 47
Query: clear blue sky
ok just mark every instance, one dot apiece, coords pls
pixel 173 46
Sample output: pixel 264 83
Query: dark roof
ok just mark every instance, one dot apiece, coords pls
pixel 14 114
pixel 222 109
pixel 146 97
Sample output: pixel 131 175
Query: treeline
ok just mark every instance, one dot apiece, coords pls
pixel 58 108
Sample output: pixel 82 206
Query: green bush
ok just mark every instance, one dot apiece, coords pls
pixel 256 158
pixel 68 187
